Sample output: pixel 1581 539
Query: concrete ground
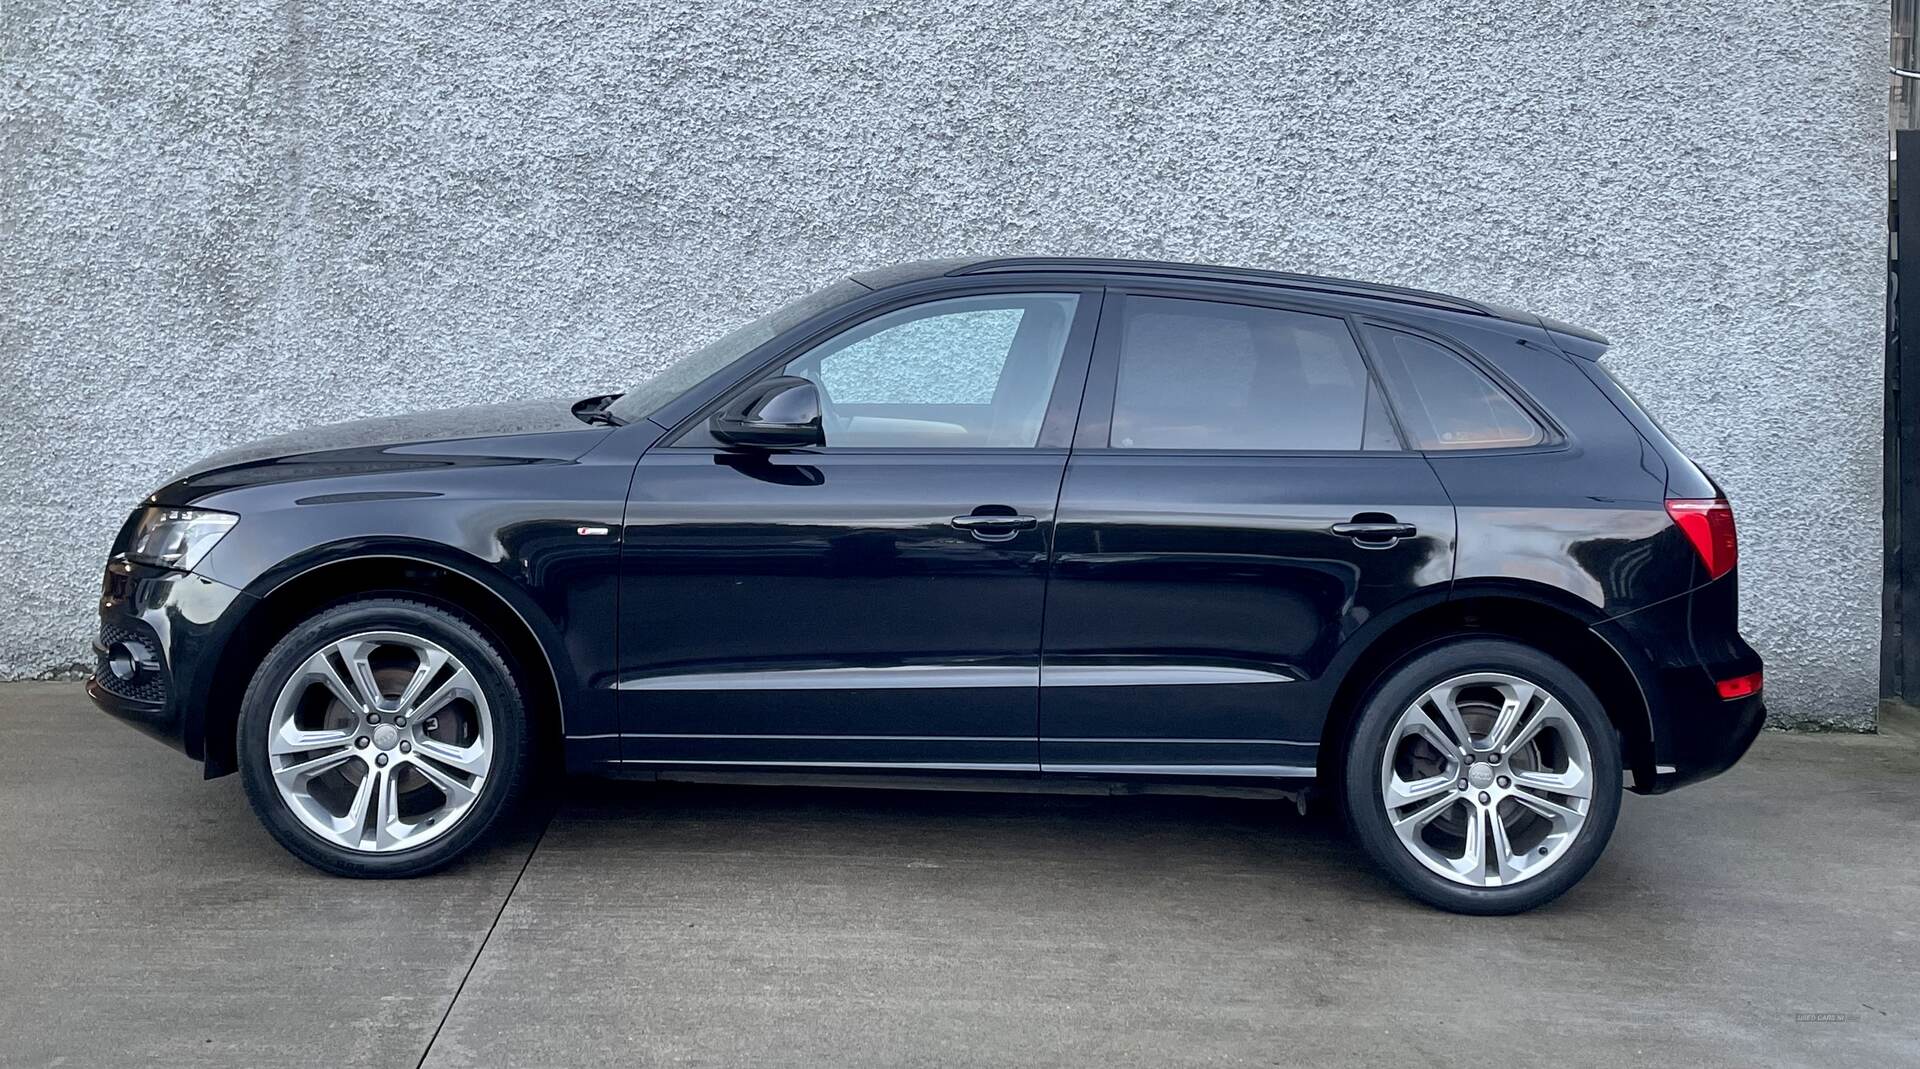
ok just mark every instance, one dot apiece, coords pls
pixel 1767 918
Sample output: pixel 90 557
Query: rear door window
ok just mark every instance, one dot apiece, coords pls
pixel 1443 401
pixel 1209 375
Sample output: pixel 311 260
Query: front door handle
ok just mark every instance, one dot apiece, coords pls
pixel 991 528
pixel 1374 534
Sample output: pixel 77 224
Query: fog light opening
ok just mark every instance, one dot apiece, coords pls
pixel 122 663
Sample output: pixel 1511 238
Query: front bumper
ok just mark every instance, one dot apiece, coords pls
pixel 160 634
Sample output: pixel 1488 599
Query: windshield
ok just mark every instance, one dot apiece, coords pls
pixel 689 369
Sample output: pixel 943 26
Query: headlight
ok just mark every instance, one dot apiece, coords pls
pixel 176 538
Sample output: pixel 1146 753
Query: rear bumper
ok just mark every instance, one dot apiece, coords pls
pixel 1719 737
pixel 160 632
pixel 1678 650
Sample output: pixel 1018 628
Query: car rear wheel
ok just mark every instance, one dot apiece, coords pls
pixel 382 737
pixel 1483 776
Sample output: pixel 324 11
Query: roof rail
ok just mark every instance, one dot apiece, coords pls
pixel 1315 283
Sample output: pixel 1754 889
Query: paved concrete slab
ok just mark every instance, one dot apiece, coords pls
pixel 147 919
pixel 724 927
pixel 1768 918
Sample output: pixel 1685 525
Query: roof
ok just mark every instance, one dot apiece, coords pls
pixel 923 269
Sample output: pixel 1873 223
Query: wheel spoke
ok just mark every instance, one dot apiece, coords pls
pixel 1410 826
pixel 1503 859
pixel 1571 818
pixel 458 686
pixel 356 654
pixel 431 661
pixel 319 669
pixel 387 829
pixel 301 771
pixel 1443 700
pixel 350 827
pixel 1516 698
pixel 1574 782
pixel 1401 793
pixel 292 739
pixel 1472 862
pixel 1411 823
pixel 456 792
pixel 1418 724
pixel 473 760
pixel 1551 715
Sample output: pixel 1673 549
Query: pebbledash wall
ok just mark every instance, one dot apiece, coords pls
pixel 220 224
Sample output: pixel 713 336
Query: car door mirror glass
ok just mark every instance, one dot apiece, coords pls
pixel 779 413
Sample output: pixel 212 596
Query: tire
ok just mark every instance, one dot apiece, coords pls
pixel 1538 850
pixel 313 759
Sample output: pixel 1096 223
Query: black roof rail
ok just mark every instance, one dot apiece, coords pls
pixel 1204 272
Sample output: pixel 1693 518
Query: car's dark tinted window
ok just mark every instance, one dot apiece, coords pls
pixel 1445 402
pixel 1211 375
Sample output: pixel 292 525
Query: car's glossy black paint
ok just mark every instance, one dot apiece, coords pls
pixel 816 608
pixel 188 618
pixel 499 498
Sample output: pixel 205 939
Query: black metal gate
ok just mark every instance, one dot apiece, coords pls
pixel 1900 596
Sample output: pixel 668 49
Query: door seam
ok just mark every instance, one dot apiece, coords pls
pixel 1053 532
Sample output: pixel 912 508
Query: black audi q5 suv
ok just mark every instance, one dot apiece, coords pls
pixel 1030 519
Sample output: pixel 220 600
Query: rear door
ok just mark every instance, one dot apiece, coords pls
pixel 1238 503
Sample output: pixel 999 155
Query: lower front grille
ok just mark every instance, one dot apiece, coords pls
pixel 147 684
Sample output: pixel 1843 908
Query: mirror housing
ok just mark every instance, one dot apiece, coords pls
pixel 780 413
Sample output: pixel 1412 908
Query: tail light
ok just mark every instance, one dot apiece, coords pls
pixel 1739 686
pixel 1708 524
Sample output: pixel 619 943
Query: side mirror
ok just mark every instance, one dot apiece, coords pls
pixel 780 413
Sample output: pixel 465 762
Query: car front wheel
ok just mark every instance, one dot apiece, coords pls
pixel 1483 776
pixel 382 737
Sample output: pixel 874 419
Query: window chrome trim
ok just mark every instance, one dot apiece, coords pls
pixel 896 677
pixel 1155 675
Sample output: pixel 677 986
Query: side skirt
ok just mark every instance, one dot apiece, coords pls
pixel 1293 788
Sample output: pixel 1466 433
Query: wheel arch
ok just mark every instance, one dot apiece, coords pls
pixel 296 589
pixel 1538 616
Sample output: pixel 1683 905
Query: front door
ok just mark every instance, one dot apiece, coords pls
pixel 1238 503
pixel 875 602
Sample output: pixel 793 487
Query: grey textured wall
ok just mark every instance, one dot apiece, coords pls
pixel 220 223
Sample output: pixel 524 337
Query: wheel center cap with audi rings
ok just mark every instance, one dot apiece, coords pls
pixel 386 737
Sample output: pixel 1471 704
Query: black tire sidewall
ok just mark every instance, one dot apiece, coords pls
pixel 1397 689
pixel 490 671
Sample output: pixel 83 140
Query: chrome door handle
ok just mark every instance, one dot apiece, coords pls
pixel 1380 535
pixel 978 522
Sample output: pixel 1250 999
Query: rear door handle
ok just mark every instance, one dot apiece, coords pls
pixel 1012 523
pixel 1374 535
pixel 990 528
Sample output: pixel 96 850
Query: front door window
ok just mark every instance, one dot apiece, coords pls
pixel 966 373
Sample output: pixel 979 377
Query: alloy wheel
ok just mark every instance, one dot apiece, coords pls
pixel 380 741
pixel 1487 779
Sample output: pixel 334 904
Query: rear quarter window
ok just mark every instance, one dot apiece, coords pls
pixel 1443 401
